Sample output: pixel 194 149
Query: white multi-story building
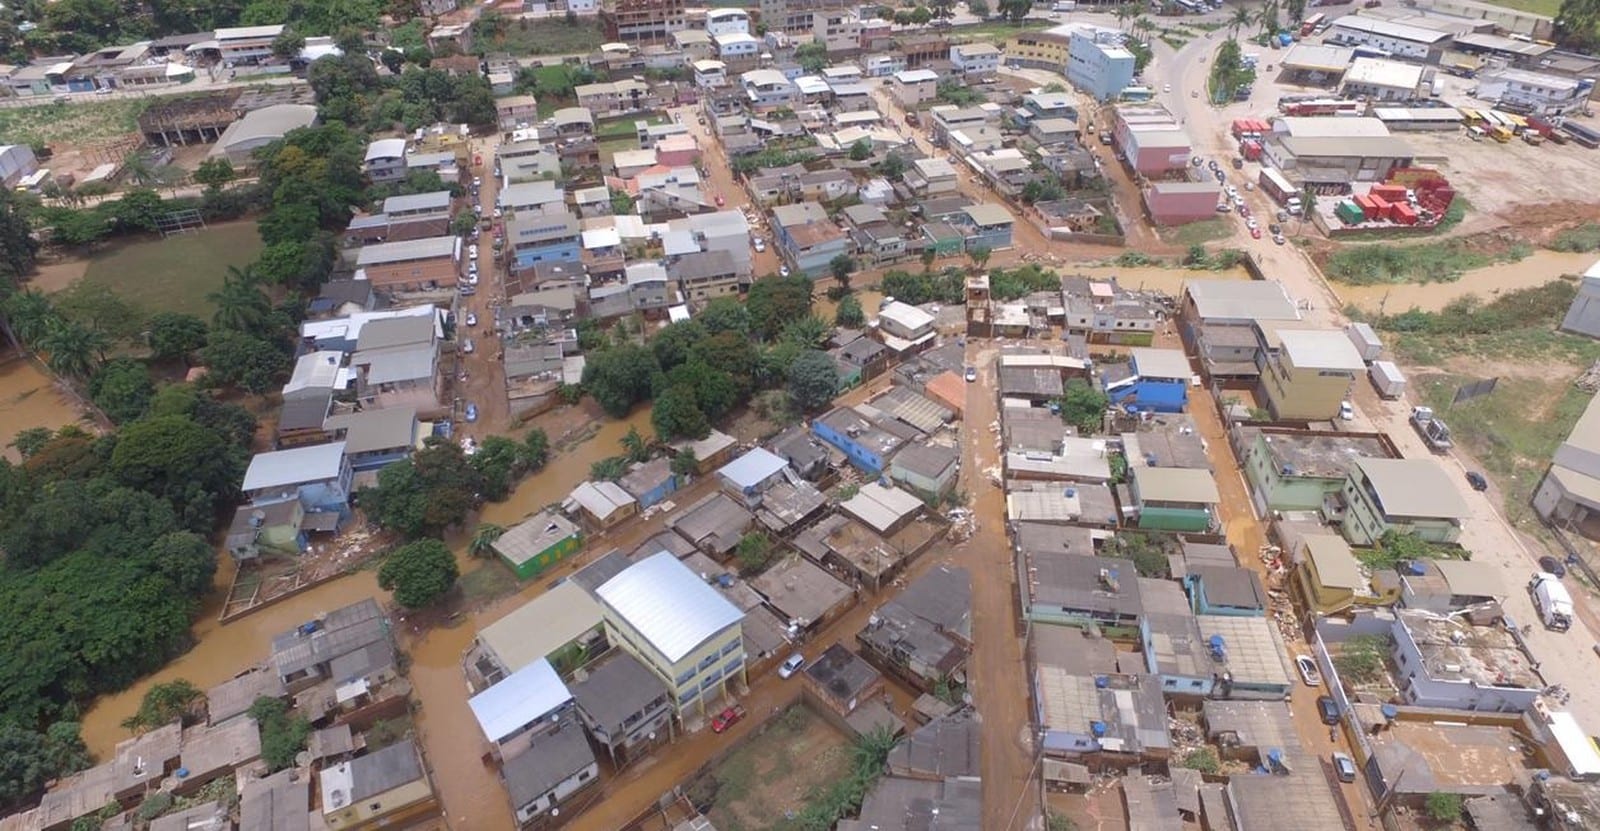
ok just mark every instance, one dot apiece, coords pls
pixel 727 22
pixel 975 58
pixel 1535 92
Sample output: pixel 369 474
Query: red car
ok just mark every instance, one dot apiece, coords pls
pixel 727 718
pixel 1255 233
pixel 477 161
pixel 720 201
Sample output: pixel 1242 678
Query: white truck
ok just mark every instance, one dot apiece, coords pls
pixel 1553 601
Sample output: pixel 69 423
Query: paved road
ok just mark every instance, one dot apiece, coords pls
pixel 1566 658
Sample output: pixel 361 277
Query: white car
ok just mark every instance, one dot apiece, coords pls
pixel 1308 670
pixel 472 250
pixel 472 318
pixel 1166 87
pixel 496 213
pixel 1251 223
pixel 791 665
pixel 1347 412
pixel 1278 238
pixel 1233 192
pixel 467 347
pixel 783 271
pixel 472 278
pixel 760 245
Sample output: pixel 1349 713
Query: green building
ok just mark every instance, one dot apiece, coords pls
pixel 945 239
pixel 1174 498
pixel 1299 470
pixel 541 541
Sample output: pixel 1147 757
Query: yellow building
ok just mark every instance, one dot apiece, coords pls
pixel 389 787
pixel 1331 580
pixel 669 618
pixel 1036 50
pixel 1309 374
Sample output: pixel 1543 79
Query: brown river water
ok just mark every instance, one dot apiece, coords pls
pixel 470 790
pixel 1538 268
pixel 28 398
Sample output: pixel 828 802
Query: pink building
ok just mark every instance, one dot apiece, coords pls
pixel 677 151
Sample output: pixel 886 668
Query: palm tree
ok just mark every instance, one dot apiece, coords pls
pixel 941 9
pixel 30 314
pixel 139 170
pixel 1123 12
pixel 1268 18
pixel 483 539
pixel 635 446
pixel 979 255
pixel 240 304
pixel 1242 18
pixel 1142 25
pixel 72 350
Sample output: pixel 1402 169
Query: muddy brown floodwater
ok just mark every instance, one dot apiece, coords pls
pixel 29 398
pixel 1538 268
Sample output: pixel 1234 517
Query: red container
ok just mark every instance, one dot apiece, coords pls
pixel 1404 215
pixel 1389 193
pixel 1240 127
pixel 1252 149
pixel 1380 208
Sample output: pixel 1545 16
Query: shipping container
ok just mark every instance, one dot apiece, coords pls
pixel 1380 208
pixel 1251 150
pixel 1365 340
pixel 1349 213
pixel 1389 193
pixel 1276 185
pixel 1405 214
pixel 1387 379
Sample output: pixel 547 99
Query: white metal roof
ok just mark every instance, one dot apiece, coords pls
pixel 1385 28
pixel 349 328
pixel 1381 73
pixel 1241 300
pixel 1320 349
pixel 1414 488
pixel 600 498
pixel 752 468
pixel 913 76
pixel 318 369
pixel 906 315
pixel 291 467
pixel 394 148
pixel 544 624
pixel 881 506
pixel 523 697
pixel 1161 363
pixel 668 604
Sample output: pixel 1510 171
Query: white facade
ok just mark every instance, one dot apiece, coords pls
pixel 975 58
pixel 1542 94
pixel 1398 39
pixel 727 22
pixel 736 46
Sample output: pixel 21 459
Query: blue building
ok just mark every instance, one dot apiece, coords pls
pixel 1097 63
pixel 1155 381
pixel 986 226
pixel 1176 652
pixel 868 444
pixel 1225 590
pixel 750 475
pixel 318 476
pixel 544 238
pixel 650 482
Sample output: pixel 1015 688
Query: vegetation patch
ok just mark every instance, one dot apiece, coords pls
pixel 1195 233
pixel 80 122
pixel 1584 238
pixel 521 36
pixel 1518 323
pixel 1433 262
pixel 1394 548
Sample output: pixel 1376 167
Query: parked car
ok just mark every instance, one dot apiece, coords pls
pixel 1255 233
pixel 1252 224
pixel 727 718
pixel 972 373
pixel 1550 565
pixel 791 665
pixel 1344 767
pixel 472 318
pixel 1347 411
pixel 1328 710
pixel 1476 480
pixel 1278 238
pixel 1308 670
pixel 467 347
pixel 1222 207
pixel 1274 229
pixel 472 413
pixel 760 245
pixel 783 271
pixel 720 200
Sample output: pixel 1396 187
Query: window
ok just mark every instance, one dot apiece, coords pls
pixel 584 776
pixel 707 661
pixel 732 646
pixel 688 696
pixel 684 678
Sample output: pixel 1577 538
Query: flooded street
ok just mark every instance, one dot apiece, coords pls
pixel 1535 270
pixel 221 652
pixel 1153 278
pixel 568 467
pixel 29 398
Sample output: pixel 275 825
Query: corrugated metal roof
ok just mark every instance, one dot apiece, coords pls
pixel 1175 484
pixel 437 200
pixel 669 605
pixel 292 467
pixel 525 696
pixel 541 626
pixel 416 249
pixel 752 468
pixel 1414 488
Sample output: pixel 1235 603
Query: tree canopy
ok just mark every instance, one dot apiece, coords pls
pixel 434 489
pixel 813 380
pixel 418 573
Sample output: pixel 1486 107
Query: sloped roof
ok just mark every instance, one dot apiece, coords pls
pixel 668 604
pixel 522 697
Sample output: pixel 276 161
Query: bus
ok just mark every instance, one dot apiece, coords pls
pixel 1311 23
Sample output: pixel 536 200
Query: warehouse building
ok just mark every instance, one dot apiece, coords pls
pixel 1519 90
pixel 1383 80
pixel 1338 160
pixel 1399 39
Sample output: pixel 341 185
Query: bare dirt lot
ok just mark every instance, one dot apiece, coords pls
pixel 1507 181
pixel 772 775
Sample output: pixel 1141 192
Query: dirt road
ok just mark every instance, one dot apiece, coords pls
pixel 997 670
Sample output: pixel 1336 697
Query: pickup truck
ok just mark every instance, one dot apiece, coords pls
pixel 1432 429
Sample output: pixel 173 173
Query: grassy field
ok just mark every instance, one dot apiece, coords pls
pixel 1511 431
pixel 175 274
pixel 996 30
pixel 1195 233
pixel 1548 8
pixel 79 123
pixel 541 37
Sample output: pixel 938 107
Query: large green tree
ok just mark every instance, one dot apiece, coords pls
pixel 436 488
pixel 621 377
pixel 676 414
pixel 813 380
pixel 17 244
pixel 245 361
pixel 418 573
pixel 174 335
pixel 29 758
pixel 182 461
pixel 122 390
pixel 774 301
